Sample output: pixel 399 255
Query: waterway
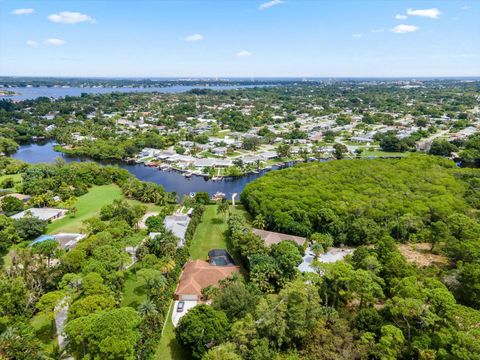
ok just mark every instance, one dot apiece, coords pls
pixel 30 93
pixel 172 181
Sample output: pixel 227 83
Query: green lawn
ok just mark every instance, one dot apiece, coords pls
pixel 44 329
pixel 87 205
pixel 17 178
pixel 169 348
pixel 210 233
pixel 133 290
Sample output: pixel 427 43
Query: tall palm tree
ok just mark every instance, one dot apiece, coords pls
pixel 223 207
pixel 259 222
pixel 147 309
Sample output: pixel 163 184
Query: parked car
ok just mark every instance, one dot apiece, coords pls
pixel 180 306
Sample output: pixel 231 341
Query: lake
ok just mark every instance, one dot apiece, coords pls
pixel 172 181
pixel 30 93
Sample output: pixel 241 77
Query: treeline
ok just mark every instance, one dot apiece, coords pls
pixel 74 179
pixel 356 200
pixel 467 151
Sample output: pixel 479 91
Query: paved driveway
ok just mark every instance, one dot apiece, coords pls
pixel 176 316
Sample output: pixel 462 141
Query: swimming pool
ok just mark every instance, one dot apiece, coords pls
pixel 42 238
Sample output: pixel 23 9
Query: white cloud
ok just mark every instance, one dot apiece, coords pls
pixel 194 37
pixel 69 17
pixel 244 53
pixel 54 42
pixel 432 13
pixel 269 4
pixel 400 17
pixel 465 7
pixel 357 36
pixel 32 43
pixel 378 30
pixel 403 29
pixel 22 11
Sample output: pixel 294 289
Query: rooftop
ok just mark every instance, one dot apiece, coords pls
pixel 270 237
pixel 41 213
pixel 199 274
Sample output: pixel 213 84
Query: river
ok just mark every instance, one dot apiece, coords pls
pixel 170 180
pixel 30 93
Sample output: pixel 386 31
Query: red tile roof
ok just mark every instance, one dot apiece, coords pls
pixel 199 274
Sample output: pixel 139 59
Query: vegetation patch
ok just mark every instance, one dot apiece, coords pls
pixel 420 254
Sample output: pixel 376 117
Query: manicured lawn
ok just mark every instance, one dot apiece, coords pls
pixel 87 205
pixel 169 348
pixel 210 233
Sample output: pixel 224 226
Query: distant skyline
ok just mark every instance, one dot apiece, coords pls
pixel 277 38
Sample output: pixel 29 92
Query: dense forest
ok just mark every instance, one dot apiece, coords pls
pixel 400 197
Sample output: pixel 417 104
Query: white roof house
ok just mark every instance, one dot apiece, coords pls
pixel 178 225
pixel 46 214
pixel 201 163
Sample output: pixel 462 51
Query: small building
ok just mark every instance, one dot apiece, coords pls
pixel 202 163
pixel 47 214
pixel 219 151
pixel 271 237
pixel 197 275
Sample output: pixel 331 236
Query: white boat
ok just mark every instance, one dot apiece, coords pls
pixel 218 195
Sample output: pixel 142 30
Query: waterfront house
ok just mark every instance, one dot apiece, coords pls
pixel 178 225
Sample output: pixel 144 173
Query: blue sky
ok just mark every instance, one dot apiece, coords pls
pixel 245 38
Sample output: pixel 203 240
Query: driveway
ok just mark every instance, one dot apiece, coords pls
pixel 176 316
pixel 141 224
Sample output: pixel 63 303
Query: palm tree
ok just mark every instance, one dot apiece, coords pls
pixel 317 249
pixel 223 207
pixel 259 222
pixel 147 309
pixel 167 266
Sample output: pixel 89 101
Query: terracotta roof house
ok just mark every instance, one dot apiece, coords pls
pixel 270 237
pixel 197 275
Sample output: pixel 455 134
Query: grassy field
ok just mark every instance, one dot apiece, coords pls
pixel 210 233
pixel 17 178
pixel 169 348
pixel 87 205
pixel 133 293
